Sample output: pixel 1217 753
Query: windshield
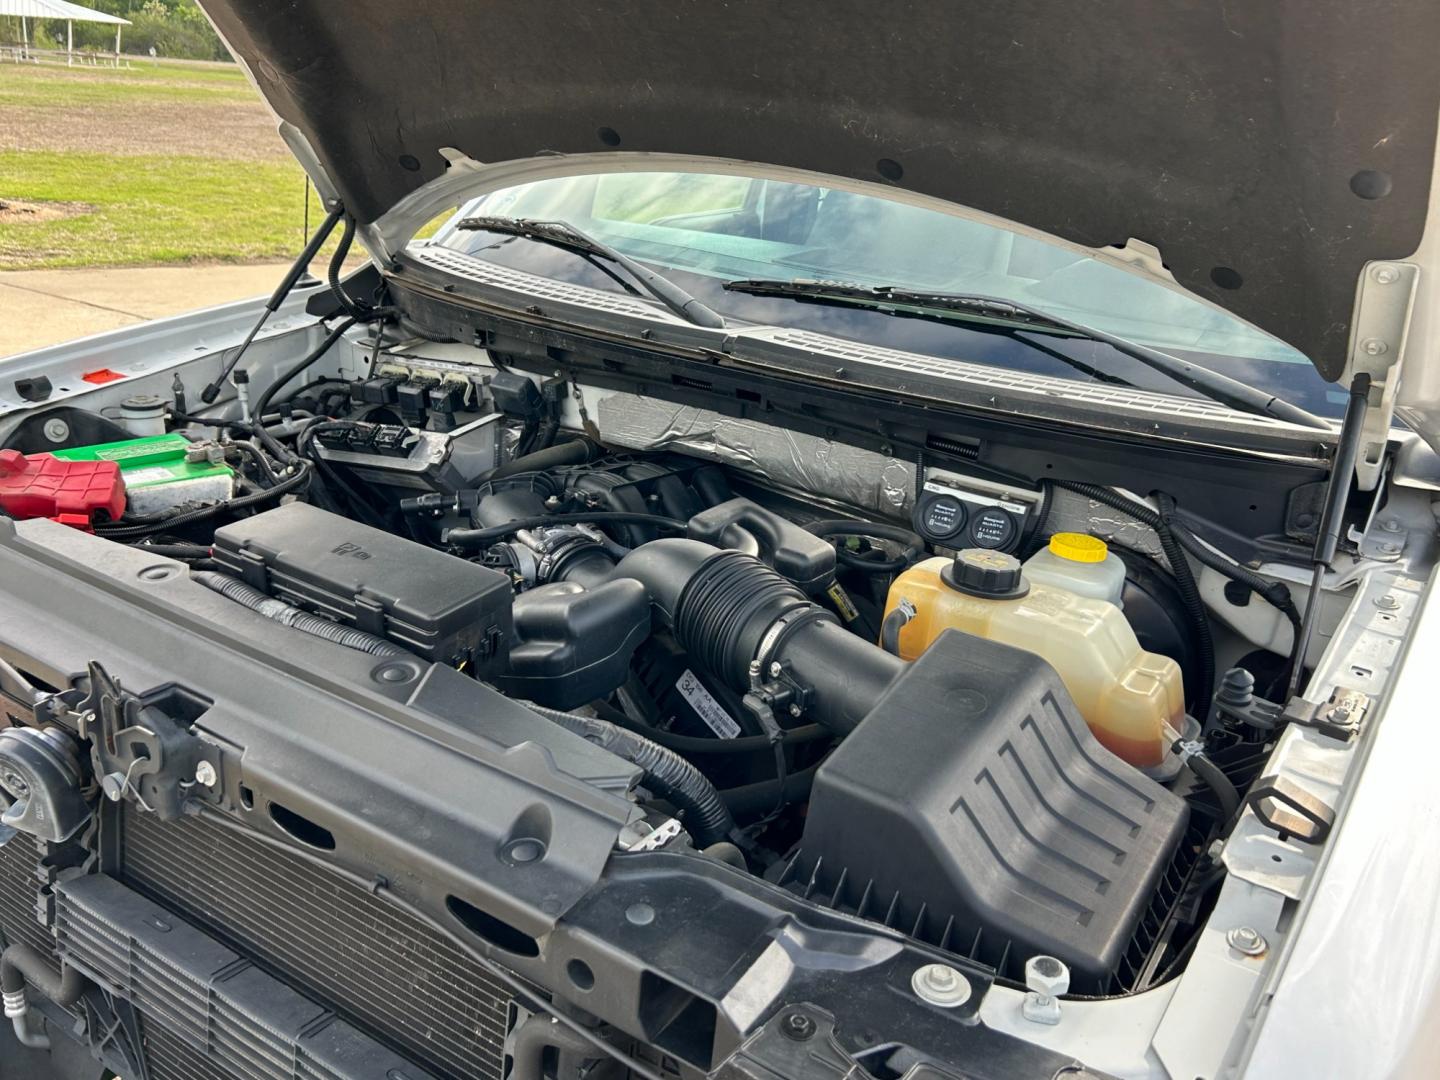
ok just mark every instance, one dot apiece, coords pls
pixel 702 230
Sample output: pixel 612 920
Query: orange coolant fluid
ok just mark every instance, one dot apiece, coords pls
pixel 1133 700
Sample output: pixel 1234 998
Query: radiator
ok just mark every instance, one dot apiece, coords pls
pixel 391 976
pixel 377 969
pixel 227 1011
pixel 19 889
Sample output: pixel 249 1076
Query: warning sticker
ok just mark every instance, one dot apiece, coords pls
pixel 154 474
pixel 843 604
pixel 703 702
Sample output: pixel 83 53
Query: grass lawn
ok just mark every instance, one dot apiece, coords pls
pixel 151 210
pixel 43 85
pixel 152 165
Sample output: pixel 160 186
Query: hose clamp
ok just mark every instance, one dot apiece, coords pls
pixel 15 1003
pixel 781 629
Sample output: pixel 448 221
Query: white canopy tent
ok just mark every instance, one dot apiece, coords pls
pixel 60 9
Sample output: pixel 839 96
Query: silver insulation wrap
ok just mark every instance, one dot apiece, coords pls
pixel 864 479
pixel 1073 512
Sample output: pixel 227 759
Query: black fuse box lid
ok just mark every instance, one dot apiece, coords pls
pixel 442 608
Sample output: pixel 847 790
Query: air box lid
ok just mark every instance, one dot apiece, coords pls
pixel 973 796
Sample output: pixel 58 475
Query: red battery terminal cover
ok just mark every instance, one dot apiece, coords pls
pixel 71 492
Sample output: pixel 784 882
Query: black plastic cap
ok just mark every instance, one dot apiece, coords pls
pixel 986 572
pixel 36 388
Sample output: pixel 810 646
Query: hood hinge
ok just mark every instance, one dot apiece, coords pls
pixel 1379 330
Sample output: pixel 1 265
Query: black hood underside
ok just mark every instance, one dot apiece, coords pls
pixel 1269 150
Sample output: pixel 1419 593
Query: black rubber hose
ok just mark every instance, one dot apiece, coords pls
pixel 477 538
pixel 525 443
pixel 914 545
pixel 1274 593
pixel 1211 775
pixel 1194 605
pixel 891 627
pixel 22 964
pixel 262 403
pixel 545 439
pixel 665 773
pixel 337 261
pixel 729 610
pixel 289 615
pixel 1040 529
pixel 754 800
pixel 532 1039
pixel 570 452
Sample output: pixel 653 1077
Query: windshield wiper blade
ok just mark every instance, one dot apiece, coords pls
pixel 562 234
pixel 972 306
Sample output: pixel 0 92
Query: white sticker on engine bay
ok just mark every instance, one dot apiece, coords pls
pixel 703 702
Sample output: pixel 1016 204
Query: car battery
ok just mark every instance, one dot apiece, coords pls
pixel 441 608
pixel 77 493
pixel 162 472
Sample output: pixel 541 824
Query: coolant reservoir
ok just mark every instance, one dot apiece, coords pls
pixel 1081 564
pixel 1128 696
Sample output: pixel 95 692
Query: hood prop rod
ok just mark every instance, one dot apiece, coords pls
pixel 1327 539
pixel 212 390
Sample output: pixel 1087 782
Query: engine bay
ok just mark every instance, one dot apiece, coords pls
pixel 1008 721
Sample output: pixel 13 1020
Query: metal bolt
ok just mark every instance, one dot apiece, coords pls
pixel 1390 549
pixel 1374 347
pixel 797 1026
pixel 1047 979
pixel 776 670
pixel 1246 940
pixel 1387 603
pixel 56 430
pixel 795 710
pixel 1386 275
pixel 113 785
pixel 1390 524
pixel 640 914
pixel 205 774
pixel 940 984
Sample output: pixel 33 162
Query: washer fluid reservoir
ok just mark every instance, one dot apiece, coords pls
pixel 1080 563
pixel 1133 700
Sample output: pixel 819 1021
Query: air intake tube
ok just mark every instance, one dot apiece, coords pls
pixel 728 609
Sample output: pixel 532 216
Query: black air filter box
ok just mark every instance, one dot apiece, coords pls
pixel 441 608
pixel 974 797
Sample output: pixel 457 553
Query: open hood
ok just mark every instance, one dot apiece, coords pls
pixel 1268 150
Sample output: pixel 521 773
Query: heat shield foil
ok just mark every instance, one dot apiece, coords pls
pixel 824 467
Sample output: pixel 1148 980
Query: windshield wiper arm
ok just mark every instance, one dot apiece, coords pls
pixel 1202 380
pixel 561 234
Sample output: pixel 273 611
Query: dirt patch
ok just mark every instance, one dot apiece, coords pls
pixel 237 130
pixel 18 211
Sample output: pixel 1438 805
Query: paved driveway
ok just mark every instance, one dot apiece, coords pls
pixel 46 307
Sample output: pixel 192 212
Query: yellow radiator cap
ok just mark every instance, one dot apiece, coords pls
pixel 1078 547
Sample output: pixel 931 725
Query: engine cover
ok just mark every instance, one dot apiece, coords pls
pixel 973 796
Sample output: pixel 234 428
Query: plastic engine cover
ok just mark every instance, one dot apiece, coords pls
pixel 974 798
